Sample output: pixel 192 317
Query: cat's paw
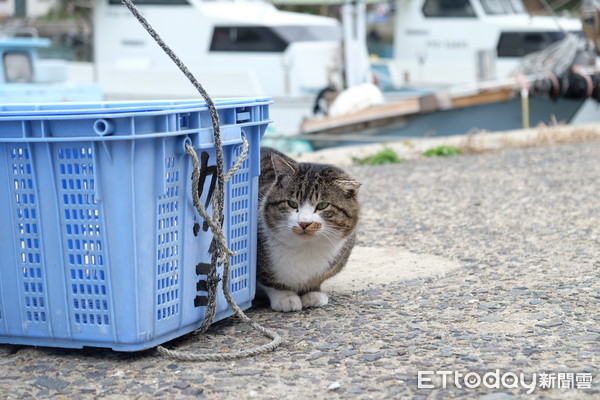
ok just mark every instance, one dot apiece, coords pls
pixel 286 302
pixel 314 299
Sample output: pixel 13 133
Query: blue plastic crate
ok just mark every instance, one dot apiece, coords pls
pixel 100 244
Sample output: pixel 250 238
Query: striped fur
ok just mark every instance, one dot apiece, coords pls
pixel 301 246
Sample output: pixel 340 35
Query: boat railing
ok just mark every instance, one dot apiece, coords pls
pixel 23 31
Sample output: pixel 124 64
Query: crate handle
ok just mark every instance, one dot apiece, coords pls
pixel 104 127
pixel 184 143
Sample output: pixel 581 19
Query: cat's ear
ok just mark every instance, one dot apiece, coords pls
pixel 283 166
pixel 348 185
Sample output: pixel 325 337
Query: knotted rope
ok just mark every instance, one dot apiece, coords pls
pixel 220 251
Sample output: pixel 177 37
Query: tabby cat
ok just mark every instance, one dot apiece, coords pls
pixel 306 230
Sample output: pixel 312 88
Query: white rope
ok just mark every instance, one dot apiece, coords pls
pixel 556 58
pixel 220 252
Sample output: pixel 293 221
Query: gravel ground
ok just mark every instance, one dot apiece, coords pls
pixel 523 223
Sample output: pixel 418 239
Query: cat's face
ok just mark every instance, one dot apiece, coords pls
pixel 310 202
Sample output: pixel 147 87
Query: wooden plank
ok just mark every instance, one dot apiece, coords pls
pixel 482 98
pixel 383 111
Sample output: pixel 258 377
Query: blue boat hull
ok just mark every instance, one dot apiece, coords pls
pixel 493 117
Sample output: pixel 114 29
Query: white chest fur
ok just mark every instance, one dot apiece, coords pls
pixel 295 265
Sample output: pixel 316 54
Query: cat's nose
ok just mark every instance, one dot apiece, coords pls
pixel 304 225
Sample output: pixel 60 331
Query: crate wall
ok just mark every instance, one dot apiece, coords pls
pixel 100 241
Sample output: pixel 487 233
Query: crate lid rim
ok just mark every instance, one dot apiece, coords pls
pixel 107 108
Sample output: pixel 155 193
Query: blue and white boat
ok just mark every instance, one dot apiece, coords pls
pixel 455 70
pixel 250 48
pixel 25 78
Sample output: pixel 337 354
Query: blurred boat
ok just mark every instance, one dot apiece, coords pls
pixel 449 56
pixel 235 48
pixel 25 78
pixel 440 43
pixel 426 113
pixel 467 65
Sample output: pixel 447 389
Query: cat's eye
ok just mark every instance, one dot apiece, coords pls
pixel 292 204
pixel 322 205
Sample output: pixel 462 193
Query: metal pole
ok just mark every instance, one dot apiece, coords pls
pixel 348 40
pixel 525 107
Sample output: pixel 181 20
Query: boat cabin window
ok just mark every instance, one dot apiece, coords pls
pixel 503 7
pixel 268 39
pixel 17 67
pixel 519 44
pixel 246 38
pixel 152 2
pixel 308 33
pixel 448 9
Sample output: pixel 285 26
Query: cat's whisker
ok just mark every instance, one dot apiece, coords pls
pixel 332 236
